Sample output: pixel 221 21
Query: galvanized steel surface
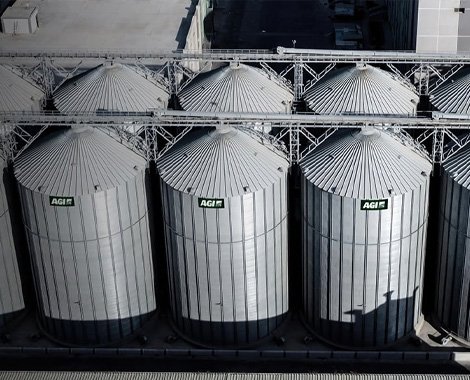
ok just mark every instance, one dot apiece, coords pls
pixel 227 264
pixel 452 306
pixel 454 95
pixel 216 376
pixel 363 269
pixel 366 164
pixel 110 88
pixel 11 293
pixel 18 94
pixel 92 257
pixel 361 89
pixel 236 88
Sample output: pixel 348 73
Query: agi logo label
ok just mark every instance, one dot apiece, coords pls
pixel 62 201
pixel 374 204
pixel 210 203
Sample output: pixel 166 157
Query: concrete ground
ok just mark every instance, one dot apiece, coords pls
pixel 104 25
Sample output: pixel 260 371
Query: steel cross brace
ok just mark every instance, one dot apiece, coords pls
pixel 281 78
pixel 442 78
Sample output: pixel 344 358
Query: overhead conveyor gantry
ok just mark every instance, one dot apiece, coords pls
pixel 296 135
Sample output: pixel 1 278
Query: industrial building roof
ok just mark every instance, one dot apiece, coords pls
pixel 104 25
pixel 221 163
pixel 77 161
pixel 361 89
pixel 236 88
pixel 111 88
pixel 16 93
pixel 18 12
pixel 367 164
pixel 454 95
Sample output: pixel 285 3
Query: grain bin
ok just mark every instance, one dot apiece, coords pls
pixel 452 306
pixel 365 212
pixel 225 214
pixel 453 96
pixel 85 212
pixel 18 94
pixel 362 89
pixel 236 88
pixel 110 87
pixel 11 293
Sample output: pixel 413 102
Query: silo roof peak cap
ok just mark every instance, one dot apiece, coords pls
pixel 361 66
pixel 235 65
pixel 368 131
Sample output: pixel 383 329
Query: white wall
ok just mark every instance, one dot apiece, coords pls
pixel 441 28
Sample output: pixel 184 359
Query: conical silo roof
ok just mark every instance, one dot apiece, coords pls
pixel 18 94
pixel 110 87
pixel 458 167
pixel 76 162
pixel 236 88
pixel 361 89
pixel 221 163
pixel 367 164
pixel 454 95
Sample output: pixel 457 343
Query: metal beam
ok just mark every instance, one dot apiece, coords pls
pixel 170 118
pixel 227 55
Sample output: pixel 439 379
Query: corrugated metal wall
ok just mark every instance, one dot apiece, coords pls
pixel 228 266
pixel 452 306
pixel 92 259
pixel 11 293
pixel 363 269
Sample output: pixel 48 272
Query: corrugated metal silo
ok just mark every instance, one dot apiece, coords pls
pixel 18 94
pixel 361 89
pixel 110 87
pixel 236 88
pixel 365 212
pixel 86 216
pixel 11 293
pixel 454 95
pixel 452 306
pixel 225 212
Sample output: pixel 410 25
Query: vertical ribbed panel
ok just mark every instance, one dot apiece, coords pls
pixel 452 306
pixel 363 269
pixel 92 261
pixel 11 294
pixel 228 266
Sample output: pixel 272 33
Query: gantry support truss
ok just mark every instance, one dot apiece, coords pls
pixel 296 135
pixel 151 134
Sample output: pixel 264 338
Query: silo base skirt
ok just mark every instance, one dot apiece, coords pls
pixel 235 334
pixel 348 340
pixel 85 333
pixel 9 318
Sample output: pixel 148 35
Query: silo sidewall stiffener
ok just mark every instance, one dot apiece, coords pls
pixel 227 266
pixel 92 261
pixel 363 269
pixel 11 293
pixel 452 302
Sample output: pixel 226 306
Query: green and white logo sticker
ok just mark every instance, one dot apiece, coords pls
pixel 62 201
pixel 374 204
pixel 210 203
